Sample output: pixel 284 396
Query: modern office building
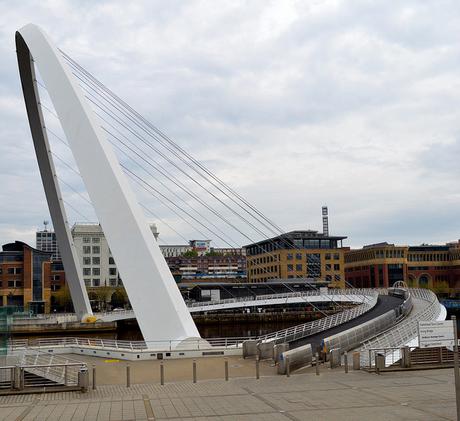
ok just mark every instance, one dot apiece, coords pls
pixel 45 240
pixel 428 266
pixel 298 254
pixel 95 258
pixel 27 277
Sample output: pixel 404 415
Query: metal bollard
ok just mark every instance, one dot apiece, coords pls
pixel 65 375
pixel 194 371
pixel 226 369
pixel 317 364
pixel 94 377
pixel 257 368
pixel 288 368
pixel 128 375
pixel 162 374
pixel 345 361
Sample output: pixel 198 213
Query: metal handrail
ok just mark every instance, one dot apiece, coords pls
pixel 407 329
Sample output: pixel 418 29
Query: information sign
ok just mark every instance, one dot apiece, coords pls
pixel 436 334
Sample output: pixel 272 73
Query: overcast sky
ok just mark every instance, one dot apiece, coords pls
pixel 353 104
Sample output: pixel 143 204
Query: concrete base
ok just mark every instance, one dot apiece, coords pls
pixel 136 355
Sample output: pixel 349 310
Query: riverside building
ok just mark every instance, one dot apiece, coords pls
pixel 298 254
pixel 27 277
pixel 427 266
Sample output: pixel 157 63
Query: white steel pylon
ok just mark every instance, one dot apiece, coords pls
pixel 160 310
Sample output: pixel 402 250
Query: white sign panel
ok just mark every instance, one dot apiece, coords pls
pixel 436 334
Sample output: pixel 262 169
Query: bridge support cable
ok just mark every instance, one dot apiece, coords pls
pixel 170 161
pixel 162 139
pixel 253 212
pixel 129 173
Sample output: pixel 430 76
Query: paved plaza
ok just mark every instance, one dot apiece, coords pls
pixel 334 395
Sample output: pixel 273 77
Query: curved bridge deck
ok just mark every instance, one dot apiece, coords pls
pixel 384 303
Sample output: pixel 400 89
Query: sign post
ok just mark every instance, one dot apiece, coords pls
pixel 456 373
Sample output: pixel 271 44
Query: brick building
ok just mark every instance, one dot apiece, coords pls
pixel 430 266
pixel 27 276
pixel 298 254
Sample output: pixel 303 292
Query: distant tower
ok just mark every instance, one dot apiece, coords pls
pixel 45 223
pixel 325 221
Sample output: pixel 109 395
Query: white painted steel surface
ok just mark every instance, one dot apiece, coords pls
pixel 160 309
pixel 426 307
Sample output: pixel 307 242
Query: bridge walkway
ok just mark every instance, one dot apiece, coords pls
pixel 384 303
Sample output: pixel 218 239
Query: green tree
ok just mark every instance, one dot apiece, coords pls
pixel 190 253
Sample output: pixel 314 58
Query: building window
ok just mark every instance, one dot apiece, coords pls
pixel 96 249
pixel 14 271
pixel 86 240
pixel 55 277
pixel 96 271
pixel 336 256
pixel 298 267
pixel 86 250
pixel 88 282
pixel 113 271
pixel 86 271
pixel 96 260
pixel 337 278
pixel 328 278
pixel 328 267
pixel 289 256
pixel 328 256
pixel 86 260
pixel 336 267
pixel 96 282
pixel 298 256
pixel 111 261
pixel 290 268
pixel 14 284
pixel 113 282
pixel 96 240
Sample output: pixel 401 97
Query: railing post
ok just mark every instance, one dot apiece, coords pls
pixel 94 376
pixel 21 379
pixel 317 363
pixel 162 374
pixel 128 375
pixel 345 361
pixel 257 368
pixel 288 367
pixel 370 359
pixel 65 375
pixel 194 371
pixel 226 369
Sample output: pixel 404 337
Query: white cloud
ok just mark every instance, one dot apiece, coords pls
pixel 294 104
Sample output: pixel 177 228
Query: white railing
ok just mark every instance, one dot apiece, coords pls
pixel 316 326
pixel 407 330
pixel 61 370
pixel 113 344
pixel 316 293
pixel 289 334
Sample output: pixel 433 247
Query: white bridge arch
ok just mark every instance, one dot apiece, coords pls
pixel 160 309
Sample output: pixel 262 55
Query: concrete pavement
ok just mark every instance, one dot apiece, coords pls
pixel 419 395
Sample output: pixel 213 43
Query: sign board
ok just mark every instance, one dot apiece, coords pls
pixel 436 334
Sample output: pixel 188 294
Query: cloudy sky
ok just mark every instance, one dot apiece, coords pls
pixel 295 104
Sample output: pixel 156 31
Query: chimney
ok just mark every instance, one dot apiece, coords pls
pixel 325 221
